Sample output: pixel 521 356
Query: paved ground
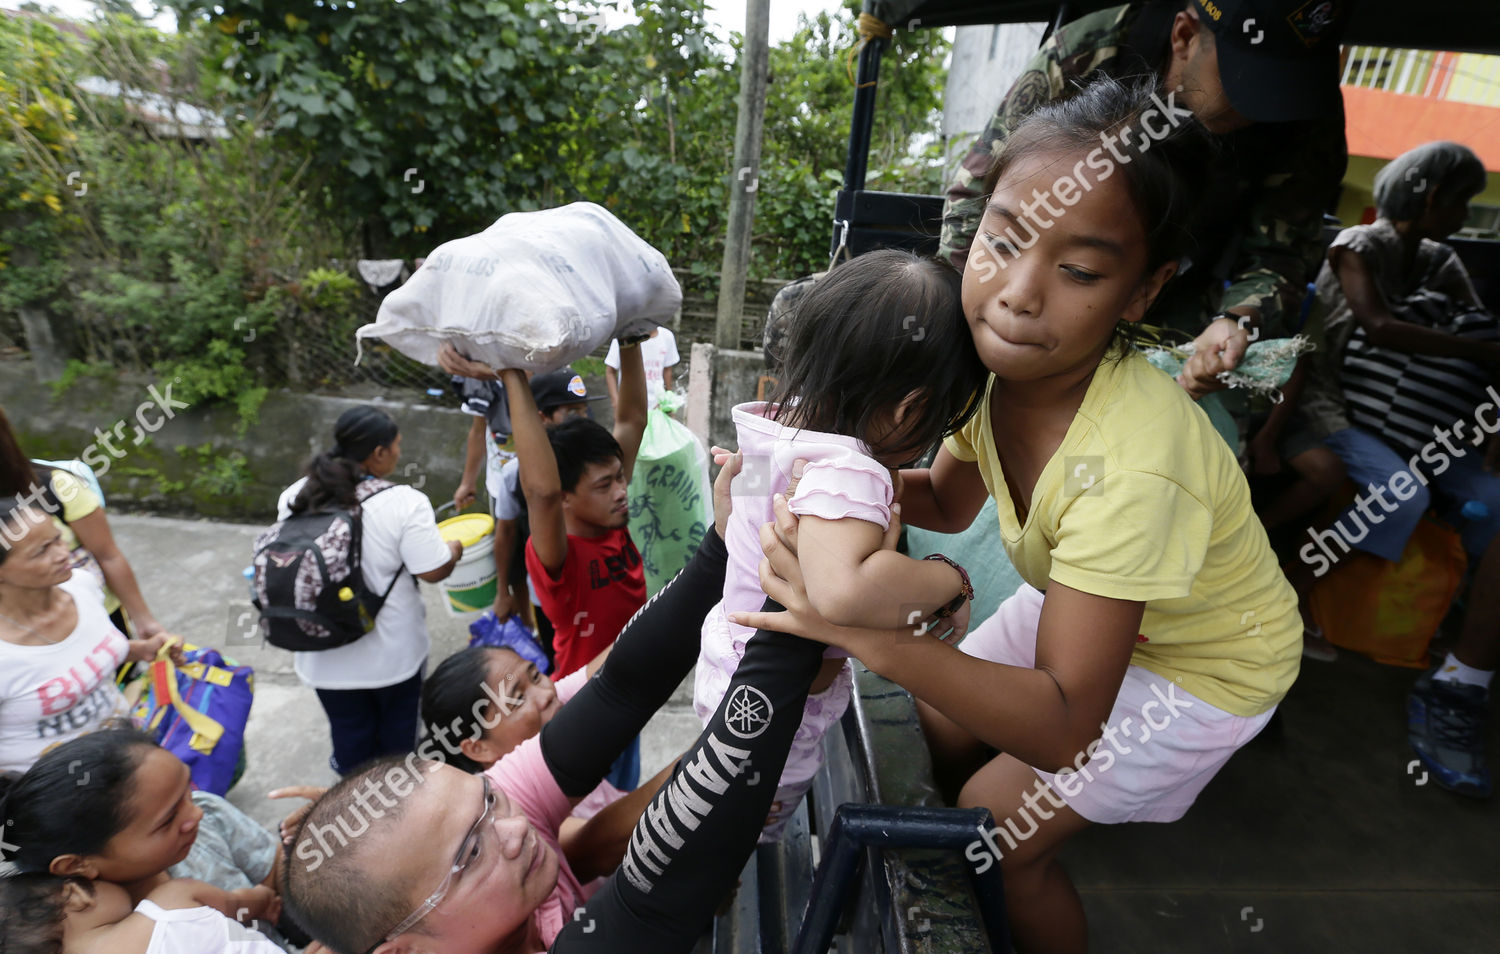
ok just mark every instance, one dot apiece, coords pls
pixel 190 572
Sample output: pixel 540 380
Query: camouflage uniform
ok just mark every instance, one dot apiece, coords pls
pixel 1260 228
pixel 779 317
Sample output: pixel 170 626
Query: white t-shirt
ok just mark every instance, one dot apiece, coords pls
pixel 509 504
pixel 657 354
pixel 495 456
pixel 495 460
pixel 201 931
pixel 51 694
pixel 400 530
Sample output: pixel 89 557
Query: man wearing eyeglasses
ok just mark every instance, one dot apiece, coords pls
pixel 411 855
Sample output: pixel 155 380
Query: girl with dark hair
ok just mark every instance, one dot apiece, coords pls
pixel 482 703
pixel 58 649
pixel 113 806
pixel 85 530
pixel 879 368
pixel 1166 621
pixel 370 688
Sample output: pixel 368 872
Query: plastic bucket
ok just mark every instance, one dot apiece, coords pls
pixel 470 588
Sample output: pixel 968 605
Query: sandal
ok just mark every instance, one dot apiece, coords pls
pixel 1315 646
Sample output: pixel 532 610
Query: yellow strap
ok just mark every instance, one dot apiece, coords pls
pixel 869 27
pixel 206 731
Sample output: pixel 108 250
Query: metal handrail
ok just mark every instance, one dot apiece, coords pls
pixel 856 828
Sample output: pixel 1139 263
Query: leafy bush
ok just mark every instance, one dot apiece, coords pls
pixel 179 239
pixel 230 167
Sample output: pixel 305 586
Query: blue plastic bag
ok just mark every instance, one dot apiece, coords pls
pixel 198 712
pixel 512 634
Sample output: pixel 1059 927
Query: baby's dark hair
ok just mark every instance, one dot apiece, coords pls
pixel 868 334
pixel 1166 179
pixel 32 912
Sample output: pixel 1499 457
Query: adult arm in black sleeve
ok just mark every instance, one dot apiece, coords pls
pixel 652 655
pixel 693 840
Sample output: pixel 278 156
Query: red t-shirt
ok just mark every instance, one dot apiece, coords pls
pixel 599 587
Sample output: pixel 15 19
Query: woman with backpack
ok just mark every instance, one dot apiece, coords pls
pixel 371 688
pixel 85 530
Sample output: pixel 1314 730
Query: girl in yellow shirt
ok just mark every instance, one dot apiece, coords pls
pixel 1156 633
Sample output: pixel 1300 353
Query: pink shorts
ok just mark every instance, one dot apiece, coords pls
pixel 1159 748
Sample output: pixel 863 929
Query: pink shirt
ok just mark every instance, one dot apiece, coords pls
pixel 841 480
pixel 524 777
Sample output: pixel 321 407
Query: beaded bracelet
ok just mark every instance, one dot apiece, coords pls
pixel 965 594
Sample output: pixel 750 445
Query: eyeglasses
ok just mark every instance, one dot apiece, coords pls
pixel 468 851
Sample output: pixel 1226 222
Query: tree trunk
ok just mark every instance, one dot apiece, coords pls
pixel 754 67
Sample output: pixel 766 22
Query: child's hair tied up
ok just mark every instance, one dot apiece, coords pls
pixel 1134 128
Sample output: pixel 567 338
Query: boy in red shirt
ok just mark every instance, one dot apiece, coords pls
pixel 582 561
pixel 583 564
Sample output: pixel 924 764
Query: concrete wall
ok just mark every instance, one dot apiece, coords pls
pixel 197 462
pixel 719 380
pixel 986 60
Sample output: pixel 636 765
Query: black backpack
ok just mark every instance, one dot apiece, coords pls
pixel 309 585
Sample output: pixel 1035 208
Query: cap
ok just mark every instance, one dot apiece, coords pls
pixel 556 388
pixel 1278 59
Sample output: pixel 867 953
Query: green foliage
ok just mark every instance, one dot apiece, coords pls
pixel 327 290
pixel 809 107
pixel 207 252
pixel 437 115
pixel 38 115
pixel 171 254
pixel 36 157
pixel 76 371
pixel 436 118
pixel 220 373
pixel 165 486
pixel 590 367
pixel 216 474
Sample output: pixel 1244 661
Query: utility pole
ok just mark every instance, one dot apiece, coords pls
pixel 754 66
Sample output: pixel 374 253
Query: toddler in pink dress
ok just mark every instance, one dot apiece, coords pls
pixel 880 366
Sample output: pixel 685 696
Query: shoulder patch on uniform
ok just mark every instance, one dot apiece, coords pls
pixel 1311 20
pixel 1030 91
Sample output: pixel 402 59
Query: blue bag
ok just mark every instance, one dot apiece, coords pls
pixel 198 712
pixel 512 634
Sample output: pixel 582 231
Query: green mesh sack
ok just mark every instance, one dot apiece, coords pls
pixel 671 505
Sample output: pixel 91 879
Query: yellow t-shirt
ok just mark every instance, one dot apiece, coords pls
pixel 1144 501
pixel 79 500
